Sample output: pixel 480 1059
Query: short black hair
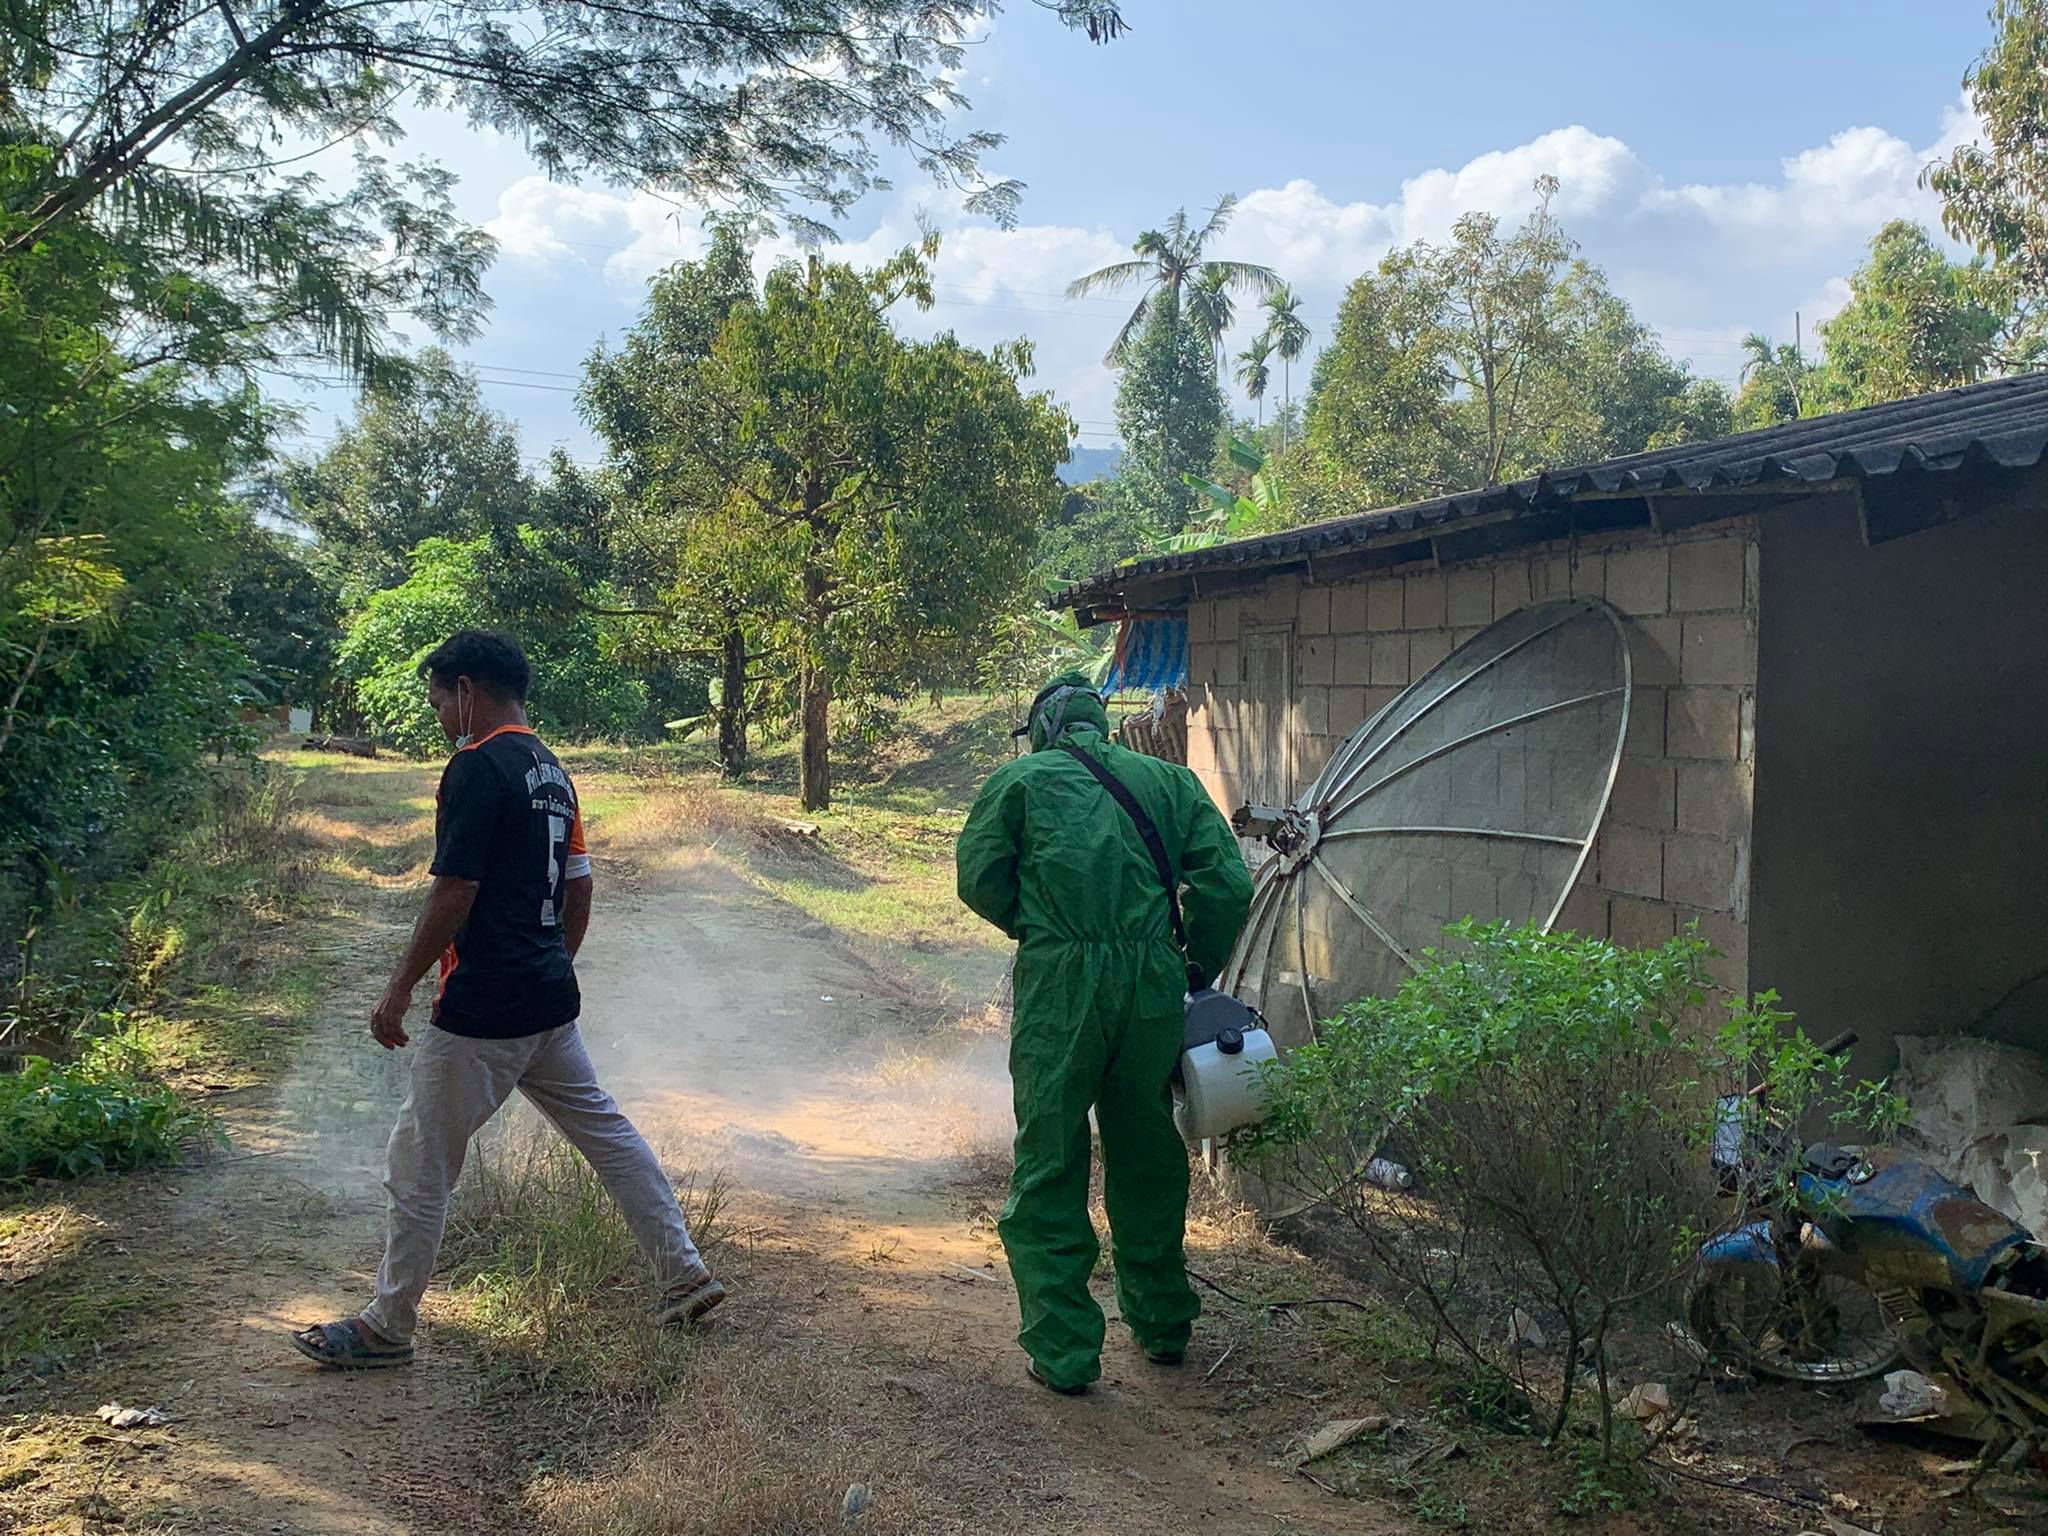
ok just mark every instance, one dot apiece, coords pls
pixel 489 659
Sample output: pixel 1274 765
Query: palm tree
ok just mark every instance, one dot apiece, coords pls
pixel 1211 311
pixel 1169 263
pixel 1778 372
pixel 1171 268
pixel 1254 373
pixel 1288 333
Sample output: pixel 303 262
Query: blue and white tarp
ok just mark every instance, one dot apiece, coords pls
pixel 1151 655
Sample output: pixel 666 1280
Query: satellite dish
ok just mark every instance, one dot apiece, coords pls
pixel 1475 793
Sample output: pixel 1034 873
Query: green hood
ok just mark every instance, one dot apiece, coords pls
pixel 1069 700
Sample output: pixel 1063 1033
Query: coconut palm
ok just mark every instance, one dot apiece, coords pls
pixel 1169 264
pixel 1255 373
pixel 1211 311
pixel 1287 332
pixel 1771 379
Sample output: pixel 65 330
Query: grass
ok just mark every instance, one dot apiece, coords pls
pixel 624 1428
pixel 47 1247
pixel 550 1281
pixel 128 994
pixel 190 979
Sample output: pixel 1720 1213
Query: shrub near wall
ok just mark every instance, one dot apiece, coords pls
pixel 1557 1114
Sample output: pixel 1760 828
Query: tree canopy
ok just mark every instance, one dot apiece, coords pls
pixel 835 509
pixel 1915 321
pixel 578 690
pixel 1491 357
pixel 421 460
pixel 1168 413
pixel 1991 187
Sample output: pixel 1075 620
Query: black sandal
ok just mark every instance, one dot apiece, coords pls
pixel 348 1346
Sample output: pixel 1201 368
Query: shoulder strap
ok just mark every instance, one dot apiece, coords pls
pixel 1148 832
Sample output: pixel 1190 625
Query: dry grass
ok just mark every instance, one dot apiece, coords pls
pixel 683 813
pixel 551 1281
pixel 767 1440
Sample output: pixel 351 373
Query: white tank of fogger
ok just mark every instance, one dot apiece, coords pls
pixel 1220 1089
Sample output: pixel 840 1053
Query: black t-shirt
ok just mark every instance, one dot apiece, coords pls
pixel 506 818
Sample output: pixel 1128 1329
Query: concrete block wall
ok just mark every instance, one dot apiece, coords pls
pixel 1675 847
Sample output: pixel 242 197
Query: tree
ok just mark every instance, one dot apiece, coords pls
pixel 672 440
pixel 1171 262
pixel 1702 413
pixel 1612 389
pixel 1255 372
pixel 900 485
pixel 1915 321
pixel 578 692
pixel 1991 189
pixel 1288 334
pixel 1168 413
pixel 118 665
pixel 1094 530
pixel 423 459
pixel 1211 312
pixel 157 112
pixel 1484 360
pixel 1185 299
pixel 280 611
pixel 1775 382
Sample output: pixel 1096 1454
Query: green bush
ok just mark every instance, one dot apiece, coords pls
pixel 1554 1097
pixel 69 1121
pixel 579 691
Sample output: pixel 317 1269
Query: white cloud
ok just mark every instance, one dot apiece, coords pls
pixel 1703 263
pixel 629 237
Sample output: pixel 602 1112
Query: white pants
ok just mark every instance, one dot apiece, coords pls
pixel 457 1085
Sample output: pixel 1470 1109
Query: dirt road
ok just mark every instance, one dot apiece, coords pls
pixel 865 1154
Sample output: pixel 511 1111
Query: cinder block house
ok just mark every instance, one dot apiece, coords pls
pixel 1836 758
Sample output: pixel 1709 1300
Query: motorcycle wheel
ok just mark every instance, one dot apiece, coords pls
pixel 1817 1330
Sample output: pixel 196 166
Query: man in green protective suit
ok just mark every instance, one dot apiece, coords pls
pixel 1050 858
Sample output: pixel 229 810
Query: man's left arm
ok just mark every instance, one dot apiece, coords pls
pixel 577 888
pixel 576 896
pixel 985 859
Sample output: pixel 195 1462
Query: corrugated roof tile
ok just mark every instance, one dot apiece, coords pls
pixel 2001 423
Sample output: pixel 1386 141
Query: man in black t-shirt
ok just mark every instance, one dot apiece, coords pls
pixel 508 910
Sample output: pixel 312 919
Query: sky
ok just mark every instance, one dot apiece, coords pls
pixel 1725 164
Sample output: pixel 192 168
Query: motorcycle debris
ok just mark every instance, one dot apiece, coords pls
pixel 1909 1395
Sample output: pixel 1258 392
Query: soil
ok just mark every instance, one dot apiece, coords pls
pixel 858 1148
pixel 864 1152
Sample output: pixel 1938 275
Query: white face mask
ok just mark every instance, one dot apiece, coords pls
pixel 462 707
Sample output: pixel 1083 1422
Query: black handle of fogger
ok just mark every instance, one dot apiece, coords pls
pixel 1198 980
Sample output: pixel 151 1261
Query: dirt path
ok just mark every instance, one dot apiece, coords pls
pixel 864 1156
pixel 773 1054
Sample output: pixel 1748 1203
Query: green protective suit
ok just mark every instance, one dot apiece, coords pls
pixel 1053 861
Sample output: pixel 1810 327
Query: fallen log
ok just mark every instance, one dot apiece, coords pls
pixel 355 746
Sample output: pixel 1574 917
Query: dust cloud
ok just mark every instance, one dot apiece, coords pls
pixel 742 1041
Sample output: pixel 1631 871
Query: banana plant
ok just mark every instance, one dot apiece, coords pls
pixel 1234 516
pixel 1061 642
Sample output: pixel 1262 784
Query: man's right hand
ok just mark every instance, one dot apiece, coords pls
pixel 387 1019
